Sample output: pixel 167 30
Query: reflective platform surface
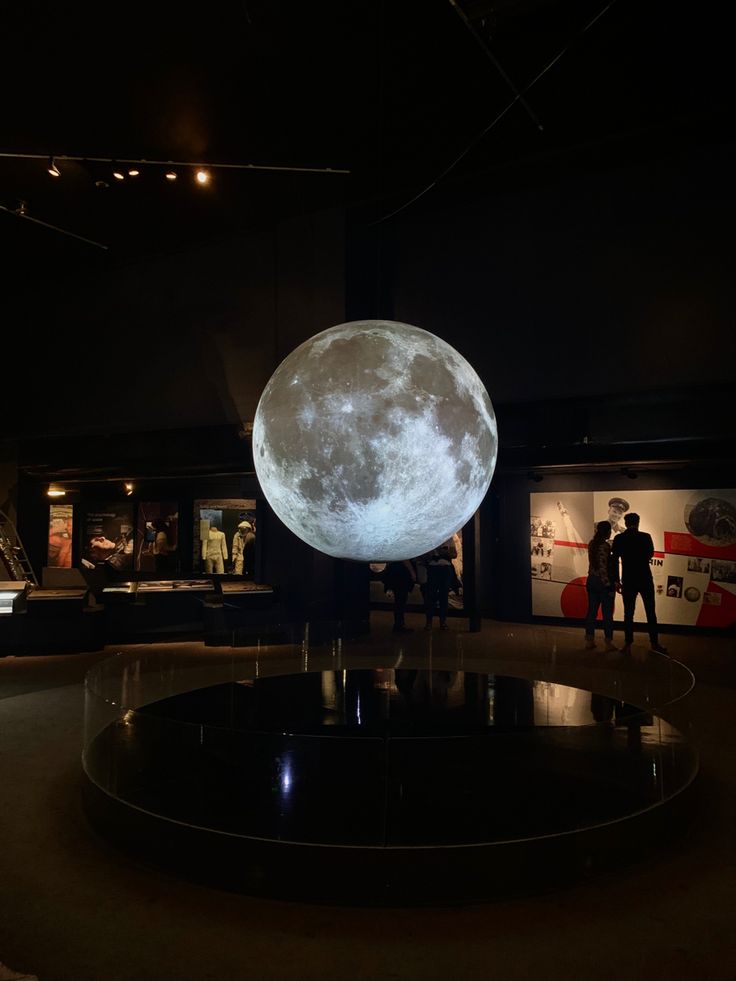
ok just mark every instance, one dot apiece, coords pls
pixel 236 768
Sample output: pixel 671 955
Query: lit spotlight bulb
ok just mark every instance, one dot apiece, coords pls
pixel 133 173
pixel 170 175
pixel 202 177
pixel 53 169
pixel 118 175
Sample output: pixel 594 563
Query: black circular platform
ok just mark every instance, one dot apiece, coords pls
pixel 381 784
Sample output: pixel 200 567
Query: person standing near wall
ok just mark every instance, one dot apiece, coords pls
pixel 400 577
pixel 437 590
pixel 635 548
pixel 601 586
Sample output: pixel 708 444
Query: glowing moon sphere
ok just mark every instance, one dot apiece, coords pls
pixel 374 441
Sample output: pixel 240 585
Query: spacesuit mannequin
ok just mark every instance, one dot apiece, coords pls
pixel 214 551
pixel 243 541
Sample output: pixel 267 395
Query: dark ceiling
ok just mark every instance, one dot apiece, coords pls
pixel 396 92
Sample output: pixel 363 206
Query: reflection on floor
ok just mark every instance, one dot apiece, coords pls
pixel 77 910
pixel 380 743
pixel 390 757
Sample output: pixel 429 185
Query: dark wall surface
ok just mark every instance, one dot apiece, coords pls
pixel 611 281
pixel 590 284
pixel 171 341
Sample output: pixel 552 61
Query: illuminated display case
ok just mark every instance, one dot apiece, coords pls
pixel 12 598
pixel 224 537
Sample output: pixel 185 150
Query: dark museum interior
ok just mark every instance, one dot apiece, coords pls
pixel 225 753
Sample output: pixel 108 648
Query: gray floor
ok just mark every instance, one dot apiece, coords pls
pixel 73 909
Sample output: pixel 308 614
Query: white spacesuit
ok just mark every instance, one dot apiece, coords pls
pixel 243 542
pixel 214 551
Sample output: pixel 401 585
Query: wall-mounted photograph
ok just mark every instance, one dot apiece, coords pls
pixel 59 553
pixel 107 537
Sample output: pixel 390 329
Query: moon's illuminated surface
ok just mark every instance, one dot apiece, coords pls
pixel 374 440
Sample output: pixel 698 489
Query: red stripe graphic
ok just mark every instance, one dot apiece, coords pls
pixel 680 543
pixel 722 614
pixel 558 541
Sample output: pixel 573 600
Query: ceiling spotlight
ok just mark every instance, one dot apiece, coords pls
pixel 170 175
pixel 202 177
pixel 128 487
pixel 133 173
pixel 53 169
pixel 118 175
pixel 55 491
pixel 101 184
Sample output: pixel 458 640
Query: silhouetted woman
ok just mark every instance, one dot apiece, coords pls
pixel 601 586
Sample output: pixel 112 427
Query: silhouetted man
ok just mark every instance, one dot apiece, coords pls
pixel 635 548
pixel 400 577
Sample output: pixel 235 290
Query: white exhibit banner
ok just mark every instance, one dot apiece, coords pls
pixel 694 564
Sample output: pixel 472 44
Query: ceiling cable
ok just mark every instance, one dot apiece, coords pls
pixel 496 63
pixel 21 212
pixel 494 121
pixel 174 163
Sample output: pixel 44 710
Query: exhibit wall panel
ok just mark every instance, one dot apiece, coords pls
pixel 694 562
pixel 61 536
pixel 209 325
pixel 108 536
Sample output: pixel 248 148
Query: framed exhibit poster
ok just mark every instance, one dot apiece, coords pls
pixel 694 563
pixel 157 537
pixel 107 537
pixel 59 554
pixel 225 537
